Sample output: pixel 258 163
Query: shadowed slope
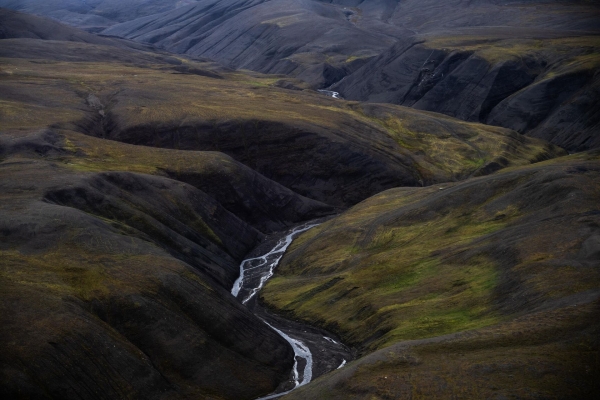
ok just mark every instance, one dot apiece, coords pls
pixel 121 286
pixel 260 202
pixel 307 39
pixel 20 25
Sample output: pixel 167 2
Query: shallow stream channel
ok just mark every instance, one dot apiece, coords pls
pixel 316 352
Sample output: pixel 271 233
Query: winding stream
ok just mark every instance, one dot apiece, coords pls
pixel 254 273
pixel 258 264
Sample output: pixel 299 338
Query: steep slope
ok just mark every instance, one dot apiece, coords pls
pixel 117 285
pixel 526 65
pixel 19 25
pixel 512 252
pixel 543 86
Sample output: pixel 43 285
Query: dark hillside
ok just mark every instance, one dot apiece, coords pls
pixel 543 86
pixel 121 285
pixel 530 66
pixel 93 15
pixel 19 25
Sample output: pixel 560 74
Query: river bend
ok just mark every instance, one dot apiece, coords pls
pixel 315 352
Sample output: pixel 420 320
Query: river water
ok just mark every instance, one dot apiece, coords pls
pixel 330 93
pixel 305 340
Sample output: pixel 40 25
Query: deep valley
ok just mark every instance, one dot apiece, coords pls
pixel 352 199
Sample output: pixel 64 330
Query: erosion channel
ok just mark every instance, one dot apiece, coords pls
pixel 315 352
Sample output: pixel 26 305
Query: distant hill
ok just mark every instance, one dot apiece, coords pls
pixel 93 15
pixel 530 66
pixel 20 25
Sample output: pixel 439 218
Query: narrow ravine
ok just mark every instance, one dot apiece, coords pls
pixel 315 352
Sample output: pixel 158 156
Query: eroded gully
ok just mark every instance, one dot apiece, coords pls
pixel 316 353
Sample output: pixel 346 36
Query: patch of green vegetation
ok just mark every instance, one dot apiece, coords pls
pixel 424 262
pixel 354 58
pixel 199 225
pixel 443 146
pixel 476 163
pixel 391 281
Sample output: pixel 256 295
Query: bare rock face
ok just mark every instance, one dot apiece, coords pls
pixel 521 94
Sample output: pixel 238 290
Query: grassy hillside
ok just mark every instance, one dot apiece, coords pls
pixel 509 251
pixel 549 353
